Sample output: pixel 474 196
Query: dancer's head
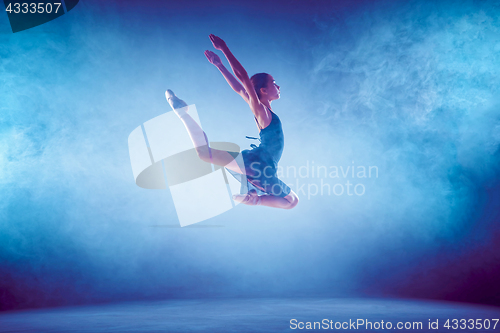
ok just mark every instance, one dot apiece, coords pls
pixel 265 86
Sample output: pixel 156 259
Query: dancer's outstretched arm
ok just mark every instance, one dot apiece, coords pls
pixel 259 110
pixel 231 80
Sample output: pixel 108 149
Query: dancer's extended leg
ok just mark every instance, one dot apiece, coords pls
pixel 199 138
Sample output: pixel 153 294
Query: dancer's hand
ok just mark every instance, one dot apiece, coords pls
pixel 218 43
pixel 213 58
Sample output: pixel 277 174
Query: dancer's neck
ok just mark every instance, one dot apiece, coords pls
pixel 267 103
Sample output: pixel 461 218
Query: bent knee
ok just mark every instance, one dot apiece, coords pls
pixel 292 199
pixel 203 153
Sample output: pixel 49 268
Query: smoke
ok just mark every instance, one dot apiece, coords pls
pixel 409 88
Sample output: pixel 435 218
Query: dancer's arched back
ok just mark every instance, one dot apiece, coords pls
pixel 260 163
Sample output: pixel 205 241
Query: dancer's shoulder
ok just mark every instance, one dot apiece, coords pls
pixel 262 114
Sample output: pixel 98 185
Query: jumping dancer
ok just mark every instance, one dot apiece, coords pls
pixel 259 163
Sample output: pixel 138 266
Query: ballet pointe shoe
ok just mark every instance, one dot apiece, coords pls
pixel 177 104
pixel 251 198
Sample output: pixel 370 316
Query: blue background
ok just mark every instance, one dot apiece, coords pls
pixel 408 86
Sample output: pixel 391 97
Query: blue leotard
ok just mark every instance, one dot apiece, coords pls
pixel 261 162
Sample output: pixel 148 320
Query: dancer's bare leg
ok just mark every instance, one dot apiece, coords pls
pixel 288 202
pixel 252 199
pixel 199 138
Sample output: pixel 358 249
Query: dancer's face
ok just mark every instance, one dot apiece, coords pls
pixel 272 89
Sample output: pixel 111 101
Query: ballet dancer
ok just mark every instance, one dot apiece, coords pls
pixel 259 164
